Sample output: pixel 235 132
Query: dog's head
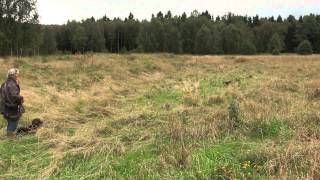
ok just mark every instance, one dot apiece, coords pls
pixel 37 122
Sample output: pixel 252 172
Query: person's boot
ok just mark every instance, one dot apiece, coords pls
pixel 11 135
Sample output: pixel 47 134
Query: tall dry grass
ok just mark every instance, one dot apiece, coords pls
pixel 92 105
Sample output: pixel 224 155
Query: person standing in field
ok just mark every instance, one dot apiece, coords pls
pixel 11 101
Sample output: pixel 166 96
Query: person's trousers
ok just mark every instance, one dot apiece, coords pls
pixel 12 124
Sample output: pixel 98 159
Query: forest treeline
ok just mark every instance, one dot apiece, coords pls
pixel 197 33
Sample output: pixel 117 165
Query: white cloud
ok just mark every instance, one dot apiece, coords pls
pixel 59 11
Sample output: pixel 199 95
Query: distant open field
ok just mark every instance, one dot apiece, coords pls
pixel 164 116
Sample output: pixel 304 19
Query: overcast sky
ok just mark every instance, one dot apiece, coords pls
pixel 59 11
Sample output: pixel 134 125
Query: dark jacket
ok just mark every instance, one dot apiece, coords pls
pixel 12 100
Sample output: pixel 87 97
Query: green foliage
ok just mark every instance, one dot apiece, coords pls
pixel 18 23
pixel 216 39
pixel 95 37
pixel 3 43
pixel 78 37
pixel 248 48
pixel 158 30
pixel 231 39
pixel 264 33
pixel 49 43
pixel 203 42
pixel 147 39
pixel 172 41
pixel 305 48
pixel 230 34
pixel 123 50
pixel 275 52
pixel 310 30
pixel 275 45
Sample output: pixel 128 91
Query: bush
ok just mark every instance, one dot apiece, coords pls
pixel 305 48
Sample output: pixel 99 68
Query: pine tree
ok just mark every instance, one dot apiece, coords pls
pixel 218 19
pixel 184 17
pixel 279 19
pixel 168 15
pixel 160 15
pixel 131 17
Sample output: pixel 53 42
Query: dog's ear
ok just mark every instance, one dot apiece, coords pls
pixel 37 122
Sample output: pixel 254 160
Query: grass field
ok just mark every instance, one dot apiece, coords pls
pixel 164 116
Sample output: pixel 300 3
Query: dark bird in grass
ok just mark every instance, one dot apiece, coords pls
pixel 227 83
